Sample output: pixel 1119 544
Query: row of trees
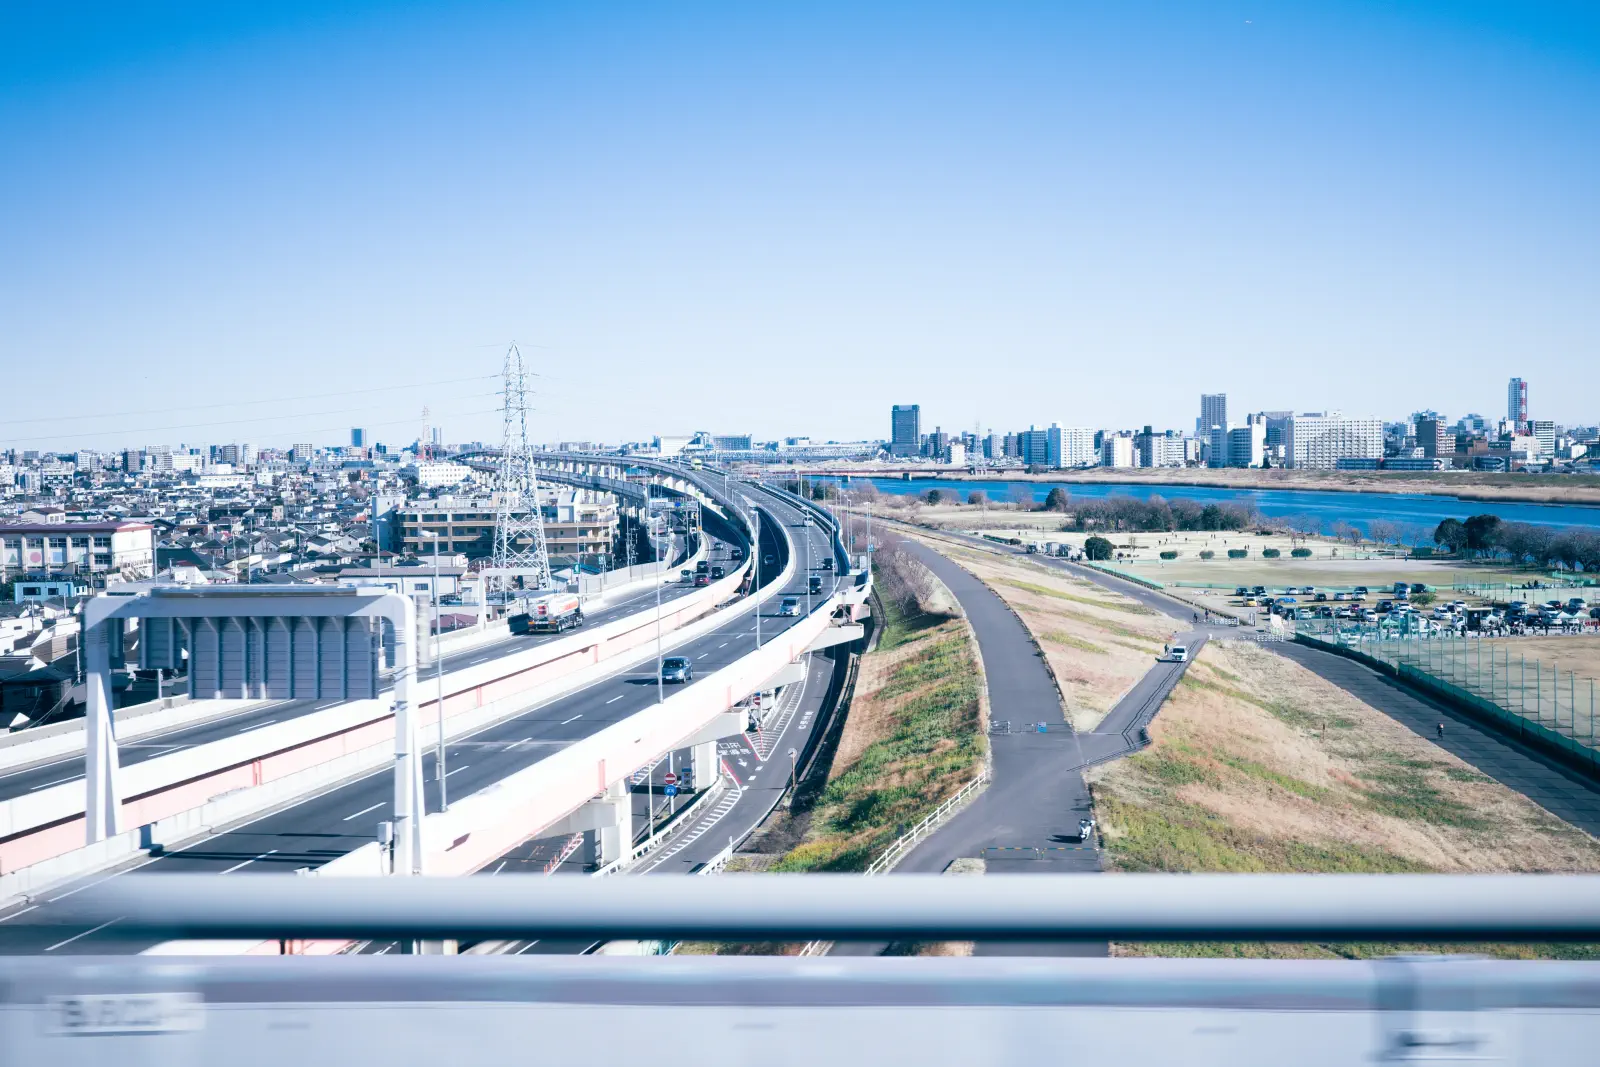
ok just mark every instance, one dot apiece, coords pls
pixel 1490 537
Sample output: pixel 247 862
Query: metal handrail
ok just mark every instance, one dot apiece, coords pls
pixel 930 822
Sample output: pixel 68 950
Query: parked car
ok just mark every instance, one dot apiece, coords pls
pixel 677 669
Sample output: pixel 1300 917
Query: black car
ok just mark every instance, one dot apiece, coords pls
pixel 716 572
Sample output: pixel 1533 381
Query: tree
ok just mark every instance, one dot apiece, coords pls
pixel 1383 531
pixel 977 498
pixel 1021 497
pixel 1451 534
pixel 1098 548
pixel 1422 599
pixel 1482 533
pixel 1057 500
pixel 1211 517
pixel 934 496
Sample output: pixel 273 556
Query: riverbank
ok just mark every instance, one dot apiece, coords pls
pixel 1485 486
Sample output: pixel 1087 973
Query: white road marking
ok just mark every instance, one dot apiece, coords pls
pixel 514 744
pixel 86 933
pixel 575 718
pixel 500 868
pixel 258 726
pixel 58 781
pixel 14 914
pixel 723 645
pixel 248 862
pixel 616 698
pixel 458 770
pixel 362 812
pixel 703 655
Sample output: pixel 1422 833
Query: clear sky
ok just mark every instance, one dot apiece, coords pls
pixel 271 221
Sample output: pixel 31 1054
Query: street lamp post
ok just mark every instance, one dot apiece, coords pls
pixel 755 521
pixel 438 674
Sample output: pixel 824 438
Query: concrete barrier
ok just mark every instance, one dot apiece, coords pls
pixel 37 826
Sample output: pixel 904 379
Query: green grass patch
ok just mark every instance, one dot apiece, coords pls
pixel 1184 837
pixel 938 660
pixel 1402 790
pixel 1057 637
pixel 1262 772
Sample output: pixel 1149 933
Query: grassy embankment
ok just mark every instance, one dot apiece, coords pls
pixel 913 736
pixel 1259 765
pixel 1096 642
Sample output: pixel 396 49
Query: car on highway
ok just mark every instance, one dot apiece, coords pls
pixel 717 572
pixel 768 560
pixel 677 669
pixel 702 579
pixel 790 606
pixel 816 583
pixel 1178 654
pixel 827 563
pixel 686 576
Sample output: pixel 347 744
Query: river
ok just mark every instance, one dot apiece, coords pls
pixel 1416 513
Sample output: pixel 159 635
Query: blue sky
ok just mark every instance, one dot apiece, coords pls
pixel 267 222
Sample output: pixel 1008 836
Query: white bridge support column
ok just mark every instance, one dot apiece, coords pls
pixel 704 764
pixel 102 800
pixel 607 819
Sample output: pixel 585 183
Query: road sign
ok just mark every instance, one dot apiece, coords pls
pixel 671 779
pixel 671 790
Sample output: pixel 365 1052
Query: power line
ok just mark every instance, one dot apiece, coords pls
pixel 204 425
pixel 313 430
pixel 267 400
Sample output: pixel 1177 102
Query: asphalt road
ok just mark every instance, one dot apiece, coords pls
pixel 318 829
pixel 1560 790
pixel 70 768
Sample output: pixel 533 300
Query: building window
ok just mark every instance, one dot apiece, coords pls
pixel 80 542
pixel 102 559
pixel 58 542
pixel 102 542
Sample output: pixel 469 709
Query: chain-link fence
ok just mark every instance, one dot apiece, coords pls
pixel 1494 670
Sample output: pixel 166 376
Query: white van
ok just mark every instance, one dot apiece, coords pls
pixel 1178 654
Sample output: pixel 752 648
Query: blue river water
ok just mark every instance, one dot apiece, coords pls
pixel 1416 513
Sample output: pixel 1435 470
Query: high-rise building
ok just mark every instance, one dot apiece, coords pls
pixel 1544 431
pixel 301 453
pixel 1164 448
pixel 1517 401
pixel 993 446
pixel 358 437
pixel 1436 439
pixel 905 429
pixel 1319 440
pixel 1213 411
pixel 1116 450
pixel 1247 444
pixel 1069 446
pixel 1033 445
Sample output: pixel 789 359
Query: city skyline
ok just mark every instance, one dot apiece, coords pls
pixel 209 205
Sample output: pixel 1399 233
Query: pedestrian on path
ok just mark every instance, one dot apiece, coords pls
pixel 1441 731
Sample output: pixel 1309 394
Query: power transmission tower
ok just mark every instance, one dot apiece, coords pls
pixel 519 546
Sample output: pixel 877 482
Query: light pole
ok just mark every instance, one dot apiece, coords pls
pixel 438 674
pixel 661 685
pixel 755 521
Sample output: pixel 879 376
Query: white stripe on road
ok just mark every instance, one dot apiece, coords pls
pixel 248 862
pixel 616 698
pixel 576 717
pixel 58 781
pixel 86 933
pixel 258 726
pixel 362 812
pixel 458 770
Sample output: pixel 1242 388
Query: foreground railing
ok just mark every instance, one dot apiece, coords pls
pixel 1198 907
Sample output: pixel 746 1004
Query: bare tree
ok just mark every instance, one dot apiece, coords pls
pixel 1383 532
pixel 1021 497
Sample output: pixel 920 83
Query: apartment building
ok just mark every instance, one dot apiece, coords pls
pixel 1319 440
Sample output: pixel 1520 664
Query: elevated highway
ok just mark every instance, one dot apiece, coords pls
pixel 520 774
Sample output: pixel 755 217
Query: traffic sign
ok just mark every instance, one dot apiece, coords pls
pixel 671 779
pixel 671 790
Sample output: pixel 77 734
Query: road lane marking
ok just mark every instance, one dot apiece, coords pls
pixel 248 862
pixel 576 717
pixel 86 933
pixel 703 655
pixel 458 770
pixel 258 726
pixel 362 812
pixel 723 645
pixel 616 698
pixel 58 781
pixel 14 914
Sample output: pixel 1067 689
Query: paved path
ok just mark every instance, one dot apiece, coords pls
pixel 1563 792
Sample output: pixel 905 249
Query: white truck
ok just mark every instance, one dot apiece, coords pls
pixel 548 614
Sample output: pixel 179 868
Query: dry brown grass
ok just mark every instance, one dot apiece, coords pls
pixel 1097 643
pixel 1260 765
